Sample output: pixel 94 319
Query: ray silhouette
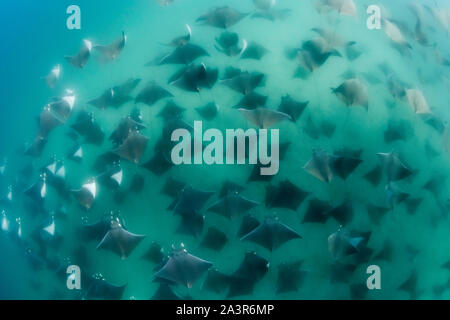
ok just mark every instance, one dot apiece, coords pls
pixel 183 268
pixel 271 234
pixel 285 195
pixel 120 241
pixel 232 204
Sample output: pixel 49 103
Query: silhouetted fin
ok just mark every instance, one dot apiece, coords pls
pixel 344 163
pixel 214 239
pixel 286 195
pixel 311 128
pixel 208 111
pixel 38 191
pixel 216 281
pixel 181 55
pixel 154 254
pixel 182 40
pixel 376 213
pixel 87 127
pixel 251 270
pixel 152 93
pixel 290 277
pixel 232 204
pixel 56 177
pixel 412 252
pixel 194 78
pixel 122 92
pixel 117 95
pixel 173 187
pixel 374 176
pixel 82 57
pixel 159 164
pixel 228 43
pixel 76 153
pixel 86 195
pixel 120 241
pixel 342 213
pixel 394 167
pixel 341 272
pixel 34 260
pixel 410 285
pixel 264 118
pixel 318 212
pixel 165 293
pixel 252 101
pixel 99 288
pixel 171 111
pixel 353 52
pixel 119 196
pixel 62 107
pixel 440 289
pixel 190 200
pixel 73 135
pixel 395 195
pixel 105 160
pixel 358 291
pixel 35 149
pixel 124 128
pixel 412 204
pixel 111 52
pixel 332 38
pixel 112 177
pixel 104 100
pixel 133 147
pixel 417 101
pixel 221 17
pixel 183 268
pixel 53 76
pixel 320 166
pixel 352 92
pixel 446 265
pixel 271 234
pixel 327 128
pixel 434 122
pixel 244 82
pixel 398 130
pixel 137 183
pixel 386 253
pixel 301 73
pixel 254 51
pixel 48 235
pixel 313 54
pixel 292 107
pixel 342 244
pixel 136 115
pixel 256 175
pixel 97 231
pixel 435 184
pixel 191 224
pixel 231 72
pixel 47 122
pixel 229 187
pixel 249 223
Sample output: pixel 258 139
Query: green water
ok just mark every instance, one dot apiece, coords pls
pixel 37 39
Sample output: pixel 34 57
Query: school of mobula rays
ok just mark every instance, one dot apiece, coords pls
pixel 387 170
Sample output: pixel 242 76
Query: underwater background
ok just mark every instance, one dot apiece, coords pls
pixel 35 38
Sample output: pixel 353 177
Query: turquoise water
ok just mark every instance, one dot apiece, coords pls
pixel 35 39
